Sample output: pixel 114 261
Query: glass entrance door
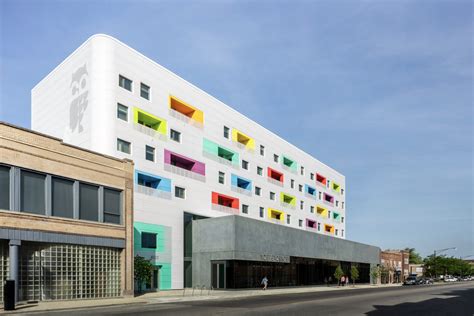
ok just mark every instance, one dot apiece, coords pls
pixel 218 275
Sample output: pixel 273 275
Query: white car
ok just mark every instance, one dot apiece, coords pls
pixel 450 279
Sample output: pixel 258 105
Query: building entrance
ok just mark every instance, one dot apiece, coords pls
pixel 218 275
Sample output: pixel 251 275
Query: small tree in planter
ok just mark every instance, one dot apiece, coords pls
pixel 338 274
pixel 142 271
pixel 374 274
pixel 354 274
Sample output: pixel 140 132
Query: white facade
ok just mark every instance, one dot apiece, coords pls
pixel 78 101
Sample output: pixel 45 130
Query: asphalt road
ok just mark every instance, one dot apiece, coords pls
pixel 454 299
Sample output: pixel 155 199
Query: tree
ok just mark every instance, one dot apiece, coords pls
pixel 442 265
pixel 338 274
pixel 374 274
pixel 354 274
pixel 415 257
pixel 142 271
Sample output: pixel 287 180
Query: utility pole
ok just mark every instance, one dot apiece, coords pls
pixel 434 257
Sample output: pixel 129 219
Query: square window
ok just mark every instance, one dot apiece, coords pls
pixel 123 146
pixel 122 112
pixel 226 132
pixel 260 171
pixel 125 83
pixel 245 209
pixel 149 153
pixel 262 150
pixel 288 219
pixel 342 191
pixel 337 203
pixel 144 91
pixel 258 191
pixel 302 170
pixel 275 158
pixel 292 184
pixel 300 223
pixel 221 177
pixel 342 219
pixel 336 231
pixel 300 188
pixel 319 195
pixel 311 176
pixel 272 195
pixel 311 209
pixel 148 240
pixel 245 164
pixel 319 226
pixel 175 135
pixel 301 205
pixel 261 212
pixel 329 214
pixel 179 192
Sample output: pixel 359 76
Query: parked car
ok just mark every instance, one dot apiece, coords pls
pixel 424 281
pixel 411 280
pixel 450 279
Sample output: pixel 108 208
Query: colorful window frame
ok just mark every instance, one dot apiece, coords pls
pixel 241 138
pixel 186 109
pixel 149 120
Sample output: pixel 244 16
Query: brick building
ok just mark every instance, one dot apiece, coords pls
pixel 65 219
pixel 395 266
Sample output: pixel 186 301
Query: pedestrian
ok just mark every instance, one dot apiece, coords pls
pixel 343 280
pixel 347 280
pixel 264 283
pixel 326 281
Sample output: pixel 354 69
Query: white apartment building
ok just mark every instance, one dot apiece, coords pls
pixel 195 158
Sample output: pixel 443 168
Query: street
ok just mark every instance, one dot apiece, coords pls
pixel 453 299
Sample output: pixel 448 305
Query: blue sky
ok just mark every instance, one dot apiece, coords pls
pixel 382 91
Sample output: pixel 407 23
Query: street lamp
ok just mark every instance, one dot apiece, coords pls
pixel 434 257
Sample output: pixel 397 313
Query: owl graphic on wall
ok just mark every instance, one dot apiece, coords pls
pixel 79 92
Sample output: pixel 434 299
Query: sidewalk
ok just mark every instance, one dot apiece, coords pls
pixel 176 296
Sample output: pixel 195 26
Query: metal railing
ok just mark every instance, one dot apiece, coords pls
pixel 241 191
pixel 184 172
pixel 224 209
pixel 185 118
pixel 153 192
pixel 149 131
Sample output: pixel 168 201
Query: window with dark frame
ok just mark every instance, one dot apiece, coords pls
pixel 179 192
pixel 226 132
pixel 245 209
pixel 149 153
pixel 112 206
pixel 144 91
pixel 122 112
pixel 149 240
pixel 175 135
pixel 221 177
pixel 123 146
pixel 125 83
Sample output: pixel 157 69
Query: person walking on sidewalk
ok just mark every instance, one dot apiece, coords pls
pixel 347 281
pixel 343 280
pixel 264 283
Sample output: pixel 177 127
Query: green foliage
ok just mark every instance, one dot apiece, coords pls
pixel 338 273
pixel 415 257
pixel 442 265
pixel 142 270
pixel 374 274
pixel 354 273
